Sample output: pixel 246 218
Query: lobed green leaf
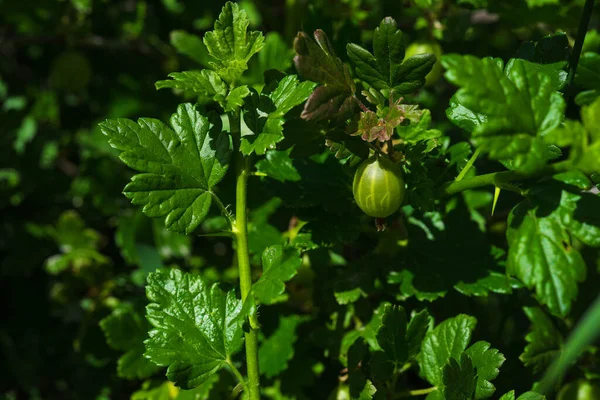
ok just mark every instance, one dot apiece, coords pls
pixel 264 113
pixel 197 328
pixel 179 165
pixel 460 380
pixel 231 44
pixel 447 340
pixel 486 362
pixel 279 266
pixel 539 236
pixel 399 340
pixel 387 69
pixel 508 111
pixel 391 335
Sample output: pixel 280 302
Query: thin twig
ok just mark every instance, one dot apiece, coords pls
pixel 501 178
pixel 584 21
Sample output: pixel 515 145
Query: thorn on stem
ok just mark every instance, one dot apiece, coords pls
pixel 496 195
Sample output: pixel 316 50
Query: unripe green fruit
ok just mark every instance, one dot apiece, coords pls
pixel 580 390
pixel 379 187
pixel 427 47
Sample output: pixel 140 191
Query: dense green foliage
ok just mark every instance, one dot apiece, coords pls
pixel 185 189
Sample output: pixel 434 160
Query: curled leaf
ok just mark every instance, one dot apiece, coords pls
pixel 316 60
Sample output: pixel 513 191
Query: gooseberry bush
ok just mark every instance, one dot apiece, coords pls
pixel 511 112
pixel 273 131
pixel 394 217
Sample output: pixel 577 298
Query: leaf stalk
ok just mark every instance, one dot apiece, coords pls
pixel 226 213
pixel 236 373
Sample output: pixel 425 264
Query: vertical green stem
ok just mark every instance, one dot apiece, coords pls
pixel 240 229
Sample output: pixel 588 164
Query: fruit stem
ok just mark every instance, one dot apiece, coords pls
pixel 376 149
pixel 240 229
pixel 390 148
